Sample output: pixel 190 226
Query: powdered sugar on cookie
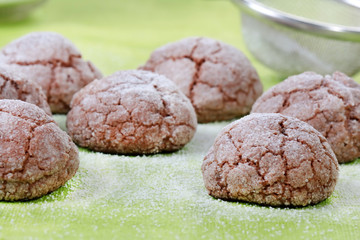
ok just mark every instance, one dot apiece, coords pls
pixel 131 112
pixel 219 80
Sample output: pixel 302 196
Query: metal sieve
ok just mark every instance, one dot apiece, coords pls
pixel 293 36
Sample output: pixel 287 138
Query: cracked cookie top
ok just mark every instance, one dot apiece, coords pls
pixel 54 63
pixel 218 79
pixel 270 159
pixel 131 112
pixel 14 86
pixel 331 104
pixel 36 155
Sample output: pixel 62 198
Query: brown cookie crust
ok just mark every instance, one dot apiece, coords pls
pixel 14 86
pixel 131 112
pixel 54 63
pixel 37 157
pixel 219 80
pixel 270 159
pixel 331 104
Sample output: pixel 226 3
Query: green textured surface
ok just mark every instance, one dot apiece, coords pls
pixel 160 196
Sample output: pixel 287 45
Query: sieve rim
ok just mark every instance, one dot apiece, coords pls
pixel 277 17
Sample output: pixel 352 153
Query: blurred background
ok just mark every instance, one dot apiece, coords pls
pixel 120 34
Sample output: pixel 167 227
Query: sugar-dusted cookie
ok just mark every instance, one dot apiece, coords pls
pixel 54 63
pixel 37 157
pixel 218 78
pixel 270 159
pixel 331 104
pixel 131 112
pixel 14 86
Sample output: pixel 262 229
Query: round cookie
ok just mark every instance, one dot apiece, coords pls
pixel 131 112
pixel 37 157
pixel 14 86
pixel 331 104
pixel 270 159
pixel 54 63
pixel 219 80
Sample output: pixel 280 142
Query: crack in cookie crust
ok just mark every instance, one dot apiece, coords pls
pixel 131 112
pixel 15 87
pixel 270 159
pixel 218 79
pixel 327 103
pixel 54 63
pixel 37 157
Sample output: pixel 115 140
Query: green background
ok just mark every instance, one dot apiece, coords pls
pixel 160 196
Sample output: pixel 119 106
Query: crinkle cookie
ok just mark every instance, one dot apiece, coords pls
pixel 54 63
pixel 131 112
pixel 270 159
pixel 14 86
pixel 37 157
pixel 331 104
pixel 219 80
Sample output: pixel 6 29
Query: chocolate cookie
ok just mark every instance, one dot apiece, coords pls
pixel 331 104
pixel 270 159
pixel 54 63
pixel 131 112
pixel 219 80
pixel 14 86
pixel 37 157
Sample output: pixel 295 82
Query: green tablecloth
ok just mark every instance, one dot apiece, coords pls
pixel 160 196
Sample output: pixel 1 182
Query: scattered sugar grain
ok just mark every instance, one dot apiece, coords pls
pixel 117 190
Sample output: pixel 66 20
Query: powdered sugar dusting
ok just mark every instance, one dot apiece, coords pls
pixel 163 197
